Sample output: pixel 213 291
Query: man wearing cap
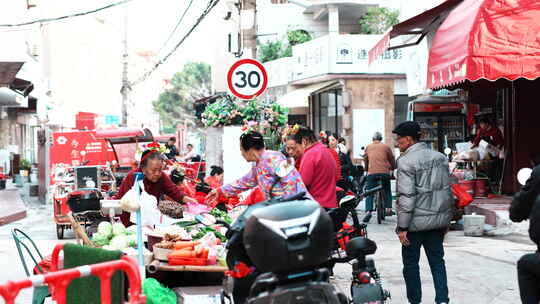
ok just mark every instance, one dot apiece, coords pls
pixel 424 208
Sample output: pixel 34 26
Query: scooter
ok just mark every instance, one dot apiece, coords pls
pixel 280 250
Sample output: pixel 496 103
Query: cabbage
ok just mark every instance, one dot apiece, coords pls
pixel 131 229
pixel 106 229
pixel 119 242
pixel 132 240
pixel 118 229
pixel 108 247
pixel 100 239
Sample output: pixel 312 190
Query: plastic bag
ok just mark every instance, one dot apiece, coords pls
pixel 150 213
pixel 256 196
pixel 157 294
pixel 193 208
pixel 463 197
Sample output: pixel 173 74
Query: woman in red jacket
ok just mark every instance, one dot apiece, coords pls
pixel 215 180
pixel 318 168
pixel 155 182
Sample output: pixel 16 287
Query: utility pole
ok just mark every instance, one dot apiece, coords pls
pixel 126 88
pixel 249 36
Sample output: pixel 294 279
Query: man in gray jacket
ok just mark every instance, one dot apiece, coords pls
pixel 425 208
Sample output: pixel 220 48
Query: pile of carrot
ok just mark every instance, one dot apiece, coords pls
pixel 188 253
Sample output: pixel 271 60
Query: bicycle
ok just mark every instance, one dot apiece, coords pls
pixel 378 203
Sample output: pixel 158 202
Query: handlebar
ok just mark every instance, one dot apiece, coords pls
pixel 371 191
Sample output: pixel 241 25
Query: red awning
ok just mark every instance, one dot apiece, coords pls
pixel 486 39
pixel 417 25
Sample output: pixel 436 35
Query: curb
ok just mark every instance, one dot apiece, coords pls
pixel 12 207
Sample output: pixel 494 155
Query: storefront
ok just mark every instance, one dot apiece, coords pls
pixel 490 49
pixel 353 107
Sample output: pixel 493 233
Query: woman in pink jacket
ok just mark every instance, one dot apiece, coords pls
pixel 271 172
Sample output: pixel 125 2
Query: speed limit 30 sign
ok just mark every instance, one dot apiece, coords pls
pixel 247 78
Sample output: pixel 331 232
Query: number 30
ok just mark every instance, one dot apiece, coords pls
pixel 249 81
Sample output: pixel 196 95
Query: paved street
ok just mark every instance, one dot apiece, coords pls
pixel 480 270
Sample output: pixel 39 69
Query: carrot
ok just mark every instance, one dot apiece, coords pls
pixel 185 244
pixel 183 254
pixel 204 254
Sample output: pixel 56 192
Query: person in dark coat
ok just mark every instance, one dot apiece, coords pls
pixel 171 146
pixel 526 205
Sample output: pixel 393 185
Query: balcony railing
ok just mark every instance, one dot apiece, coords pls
pixel 333 54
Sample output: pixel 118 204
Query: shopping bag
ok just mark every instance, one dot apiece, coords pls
pixel 150 213
pixel 463 197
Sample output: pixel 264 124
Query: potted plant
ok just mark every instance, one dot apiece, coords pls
pixel 25 166
pixel 3 178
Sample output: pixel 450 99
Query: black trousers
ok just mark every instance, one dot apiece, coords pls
pixel 529 278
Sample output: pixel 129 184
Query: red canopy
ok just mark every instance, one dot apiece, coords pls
pixel 418 25
pixel 486 39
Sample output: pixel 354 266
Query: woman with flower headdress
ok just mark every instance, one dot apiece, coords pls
pixel 155 182
pixel 271 172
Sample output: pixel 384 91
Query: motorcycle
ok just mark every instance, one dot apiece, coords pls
pixel 280 251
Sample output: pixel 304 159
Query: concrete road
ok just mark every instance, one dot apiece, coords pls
pixel 480 270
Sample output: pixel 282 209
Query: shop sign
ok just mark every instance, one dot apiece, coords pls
pixel 446 107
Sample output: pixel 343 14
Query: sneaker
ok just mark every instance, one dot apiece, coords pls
pixel 367 217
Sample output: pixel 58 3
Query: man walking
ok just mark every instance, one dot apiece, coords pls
pixel 379 161
pixel 424 208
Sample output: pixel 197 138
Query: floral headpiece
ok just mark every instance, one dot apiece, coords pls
pixel 154 147
pixel 291 130
pixel 157 147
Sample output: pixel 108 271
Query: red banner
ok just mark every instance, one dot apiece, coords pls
pixel 77 148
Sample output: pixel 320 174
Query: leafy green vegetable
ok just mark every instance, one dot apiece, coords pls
pixel 186 224
pixel 100 239
pixel 220 214
pixel 119 242
pixel 203 231
pixel 132 240
pixel 105 229
pixel 118 229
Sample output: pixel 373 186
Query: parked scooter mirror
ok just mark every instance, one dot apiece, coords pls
pixel 523 175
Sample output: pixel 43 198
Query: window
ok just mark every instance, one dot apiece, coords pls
pixel 328 111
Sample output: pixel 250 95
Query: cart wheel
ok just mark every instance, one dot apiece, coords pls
pixel 60 231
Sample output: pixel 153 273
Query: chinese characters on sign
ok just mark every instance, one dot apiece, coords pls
pixel 387 55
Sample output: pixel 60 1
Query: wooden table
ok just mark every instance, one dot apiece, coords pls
pixel 157 265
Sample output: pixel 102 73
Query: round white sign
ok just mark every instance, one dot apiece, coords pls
pixel 247 79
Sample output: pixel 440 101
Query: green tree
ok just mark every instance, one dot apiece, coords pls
pixel 378 20
pixel 295 37
pixel 274 50
pixel 176 103
pixel 270 50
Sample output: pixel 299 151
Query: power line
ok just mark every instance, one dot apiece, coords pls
pixel 67 16
pixel 209 7
pixel 176 27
